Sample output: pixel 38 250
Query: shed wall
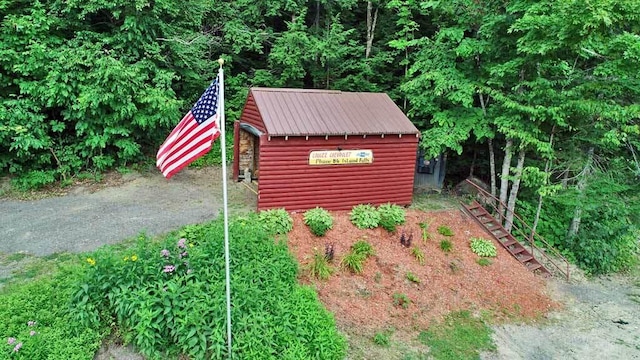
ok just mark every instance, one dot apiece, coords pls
pixel 251 114
pixel 287 180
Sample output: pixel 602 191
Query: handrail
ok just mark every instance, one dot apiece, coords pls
pixel 533 236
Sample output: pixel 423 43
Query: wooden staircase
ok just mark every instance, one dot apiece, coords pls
pixel 508 241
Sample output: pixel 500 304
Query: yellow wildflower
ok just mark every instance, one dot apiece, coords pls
pixel 126 258
pixel 190 245
pixel 134 257
pixel 91 261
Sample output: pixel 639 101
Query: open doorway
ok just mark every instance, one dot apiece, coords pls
pixel 248 155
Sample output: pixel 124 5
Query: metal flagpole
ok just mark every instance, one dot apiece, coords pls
pixel 224 202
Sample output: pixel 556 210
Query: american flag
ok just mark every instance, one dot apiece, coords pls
pixel 194 135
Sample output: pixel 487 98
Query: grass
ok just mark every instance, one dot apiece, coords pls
pixel 431 202
pixel 446 245
pixel 460 336
pixel 483 262
pixel 383 338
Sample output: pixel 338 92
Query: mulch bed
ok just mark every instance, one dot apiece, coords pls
pixel 448 281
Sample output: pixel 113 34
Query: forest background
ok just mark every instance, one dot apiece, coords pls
pixel 541 99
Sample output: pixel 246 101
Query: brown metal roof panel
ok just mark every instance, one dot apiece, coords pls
pixel 298 112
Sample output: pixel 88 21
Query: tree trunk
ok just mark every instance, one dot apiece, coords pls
pixel 513 195
pixel 547 168
pixel 504 178
pixel 582 184
pixel 492 154
pixel 371 28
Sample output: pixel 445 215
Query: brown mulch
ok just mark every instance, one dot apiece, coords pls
pixel 448 281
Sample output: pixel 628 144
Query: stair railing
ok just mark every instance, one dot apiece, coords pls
pixel 531 238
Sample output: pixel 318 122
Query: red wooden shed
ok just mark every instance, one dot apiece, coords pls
pixel 333 149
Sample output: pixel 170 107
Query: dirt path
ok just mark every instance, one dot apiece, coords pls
pixel 601 320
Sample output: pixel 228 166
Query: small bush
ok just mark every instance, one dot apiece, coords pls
pixel 319 267
pixel 276 221
pixel 483 262
pixel 364 248
pixel 418 254
pixel 445 230
pixel 483 247
pixel 365 216
pixel 383 338
pixel 391 215
pixel 354 262
pixel 446 245
pixel 319 221
pixel 412 277
pixel 402 300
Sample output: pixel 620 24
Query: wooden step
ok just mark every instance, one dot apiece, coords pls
pixel 534 266
pixel 524 258
pixel 509 243
pixel 515 250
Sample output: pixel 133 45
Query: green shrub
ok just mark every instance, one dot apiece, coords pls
pixel 483 262
pixel 364 248
pixel 319 267
pixel 365 216
pixel 276 221
pixel 446 245
pixel 354 262
pixel 391 216
pixel 168 298
pixel 383 338
pixel 402 300
pixel 445 230
pixel 319 221
pixel 483 247
pixel 418 254
pixel 412 277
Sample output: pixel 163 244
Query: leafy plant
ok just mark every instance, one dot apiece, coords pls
pixel 391 215
pixel 483 262
pixel 319 221
pixel 383 338
pixel 418 254
pixel 354 262
pixel 276 221
pixel 365 216
pixel 459 337
pixel 329 252
pixel 319 267
pixel 402 300
pixel 424 226
pixel 364 248
pixel 160 280
pixel 406 240
pixel 483 247
pixel 445 230
pixel 412 277
pixel 446 245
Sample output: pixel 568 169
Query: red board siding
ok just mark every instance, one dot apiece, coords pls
pixel 251 114
pixel 287 180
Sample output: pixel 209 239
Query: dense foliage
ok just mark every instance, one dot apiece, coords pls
pixel 35 322
pixel 168 298
pixel 391 215
pixel 276 221
pixel 364 216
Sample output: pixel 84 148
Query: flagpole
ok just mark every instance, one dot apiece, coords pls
pixel 224 202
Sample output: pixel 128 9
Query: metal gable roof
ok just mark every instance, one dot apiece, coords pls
pixel 300 112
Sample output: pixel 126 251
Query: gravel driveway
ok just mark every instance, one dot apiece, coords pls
pixel 84 220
